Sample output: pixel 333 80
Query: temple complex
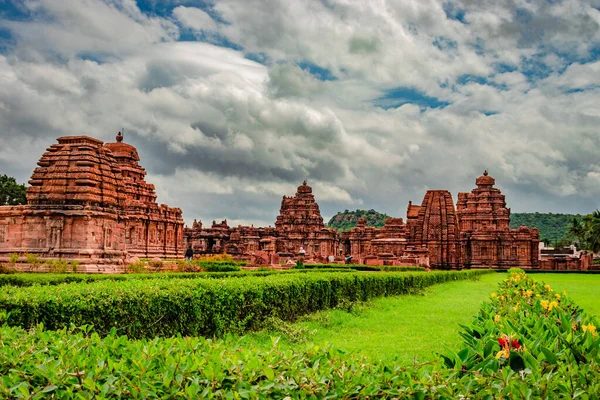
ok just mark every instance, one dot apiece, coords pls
pixel 486 239
pixel 89 201
pixel 299 226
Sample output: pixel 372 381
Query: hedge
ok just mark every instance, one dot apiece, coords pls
pixel 205 307
pixel 30 279
pixel 363 267
pixel 529 351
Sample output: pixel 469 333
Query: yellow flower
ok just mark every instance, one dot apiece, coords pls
pixel 534 285
pixel 548 288
pixel 538 295
pixel 565 293
pixel 504 352
pixel 553 304
pixel 501 297
pixel 557 296
pixel 516 308
pixel 493 295
pixel 544 304
pixel 497 318
pixel 589 328
pixel 529 293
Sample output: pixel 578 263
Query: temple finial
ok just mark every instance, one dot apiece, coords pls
pixel 119 137
pixel 485 173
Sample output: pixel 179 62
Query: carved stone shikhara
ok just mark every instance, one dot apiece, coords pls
pixel 89 201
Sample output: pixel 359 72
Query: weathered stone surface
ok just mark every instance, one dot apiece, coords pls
pixel 299 225
pixel 89 202
pixel 486 239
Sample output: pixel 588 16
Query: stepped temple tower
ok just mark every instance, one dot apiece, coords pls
pixel 299 225
pixel 436 228
pixel 486 239
pixel 89 201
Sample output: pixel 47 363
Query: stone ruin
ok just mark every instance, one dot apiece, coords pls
pixel 474 234
pixel 299 225
pixel 89 202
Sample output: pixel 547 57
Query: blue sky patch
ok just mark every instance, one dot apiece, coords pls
pixel 318 72
pixel 408 95
pixel 454 12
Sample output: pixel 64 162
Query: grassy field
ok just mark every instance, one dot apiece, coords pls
pixel 400 329
pixel 395 328
pixel 583 289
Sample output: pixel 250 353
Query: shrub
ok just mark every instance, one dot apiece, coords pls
pixel 207 307
pixel 34 260
pixel 136 267
pixel 13 258
pixel 57 266
pixel 74 265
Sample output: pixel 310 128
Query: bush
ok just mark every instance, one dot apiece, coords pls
pixel 13 258
pixel 57 266
pixel 529 351
pixel 136 267
pixel 34 260
pixel 363 267
pixel 207 307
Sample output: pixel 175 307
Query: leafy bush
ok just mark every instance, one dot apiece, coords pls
pixel 534 350
pixel 136 267
pixel 207 307
pixel 57 266
pixel 13 258
pixel 33 259
pixel 362 267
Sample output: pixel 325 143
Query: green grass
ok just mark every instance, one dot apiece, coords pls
pixel 583 289
pixel 394 328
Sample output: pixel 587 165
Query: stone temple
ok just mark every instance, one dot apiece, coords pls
pixel 89 201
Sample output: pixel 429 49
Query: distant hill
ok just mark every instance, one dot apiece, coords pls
pixel 551 226
pixel 344 221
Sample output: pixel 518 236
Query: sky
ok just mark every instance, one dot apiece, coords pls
pixel 233 103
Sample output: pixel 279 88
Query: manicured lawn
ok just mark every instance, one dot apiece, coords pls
pixel 398 328
pixel 583 289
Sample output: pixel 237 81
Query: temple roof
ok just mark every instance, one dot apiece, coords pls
pixel 122 150
pixel 485 180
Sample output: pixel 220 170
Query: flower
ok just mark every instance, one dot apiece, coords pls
pixel 515 344
pixel 553 304
pixel 493 295
pixel 504 352
pixel 516 307
pixel 497 318
pixel 529 293
pixel 565 293
pixel 544 304
pixel 503 341
pixel 548 288
pixel 557 296
pixel 589 328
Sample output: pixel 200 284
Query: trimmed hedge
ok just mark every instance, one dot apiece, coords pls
pixel 362 267
pixel 31 279
pixel 206 307
pixel 529 351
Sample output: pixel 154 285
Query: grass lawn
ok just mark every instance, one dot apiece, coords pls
pixel 401 328
pixel 583 289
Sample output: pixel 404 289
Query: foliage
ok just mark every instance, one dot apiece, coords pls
pixel 586 231
pixel 518 347
pixel 57 266
pixel 22 279
pixel 344 221
pixel 363 267
pixel 136 267
pixel 11 193
pixel 553 227
pixel 13 258
pixel 33 259
pixel 206 307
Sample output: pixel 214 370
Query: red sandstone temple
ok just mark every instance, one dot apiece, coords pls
pixel 89 201
pixel 474 234
pixel 298 226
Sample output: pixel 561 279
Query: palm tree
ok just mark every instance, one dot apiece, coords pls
pixel 577 232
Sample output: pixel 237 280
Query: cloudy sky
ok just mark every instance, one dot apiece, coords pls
pixel 232 103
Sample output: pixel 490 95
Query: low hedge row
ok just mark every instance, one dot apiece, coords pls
pixel 205 307
pixel 520 346
pixel 31 279
pixel 362 267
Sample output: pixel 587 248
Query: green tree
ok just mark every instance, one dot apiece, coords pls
pixel 11 193
pixel 586 233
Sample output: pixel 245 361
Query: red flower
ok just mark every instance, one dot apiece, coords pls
pixel 503 342
pixel 515 344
